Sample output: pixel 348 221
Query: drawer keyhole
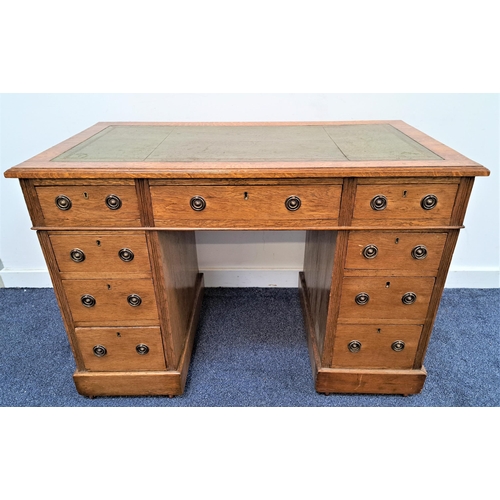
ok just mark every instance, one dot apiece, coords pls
pixel 396 241
pixel 118 334
pixel 246 195
pixel 98 243
pixel 404 194
pixel 86 196
pixel 387 285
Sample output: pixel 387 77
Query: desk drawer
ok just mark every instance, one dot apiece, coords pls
pixel 121 349
pixel 376 346
pixel 418 204
pixel 81 205
pixel 98 254
pixel 404 253
pixel 398 299
pixel 124 302
pixel 256 204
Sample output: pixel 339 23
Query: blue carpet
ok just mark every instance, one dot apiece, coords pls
pixel 250 350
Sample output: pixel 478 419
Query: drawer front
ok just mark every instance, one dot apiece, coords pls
pixel 379 203
pixel 376 346
pixel 114 206
pixel 253 203
pixel 101 253
pixel 121 349
pixel 400 299
pixel 112 302
pixel 402 252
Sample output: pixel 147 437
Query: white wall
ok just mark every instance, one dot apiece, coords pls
pixel 469 123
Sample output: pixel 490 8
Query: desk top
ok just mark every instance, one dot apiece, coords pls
pixel 248 150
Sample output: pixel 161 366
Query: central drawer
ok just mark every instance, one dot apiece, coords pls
pixel 262 205
pixel 127 302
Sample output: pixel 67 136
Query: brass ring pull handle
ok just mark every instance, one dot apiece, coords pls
pixel 63 202
pixel 134 300
pixel 362 299
pixel 142 349
pixel 113 202
pixel 100 350
pixel 126 254
pixel 429 202
pixel 354 346
pixel 408 298
pixel 292 203
pixel 88 300
pixel 77 255
pixel 370 251
pixel 398 346
pixel 198 203
pixel 378 202
pixel 419 252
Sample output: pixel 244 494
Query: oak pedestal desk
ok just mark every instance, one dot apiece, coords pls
pixel 116 208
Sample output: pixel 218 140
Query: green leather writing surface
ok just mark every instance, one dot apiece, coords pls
pixel 248 143
pixel 377 142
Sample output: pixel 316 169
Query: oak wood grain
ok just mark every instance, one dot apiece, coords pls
pixel 135 383
pixel 120 345
pixel 458 215
pixel 101 251
pixel 452 164
pixel 62 300
pixel 317 274
pixel 254 203
pixel 312 345
pixel 89 206
pixel 32 203
pixel 179 262
pixel 146 383
pixel 370 381
pixel 111 304
pixel 394 252
pixel 334 268
pixel 256 227
pixel 403 202
pixel 376 341
pixel 185 358
pixel 349 189
pixel 385 299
